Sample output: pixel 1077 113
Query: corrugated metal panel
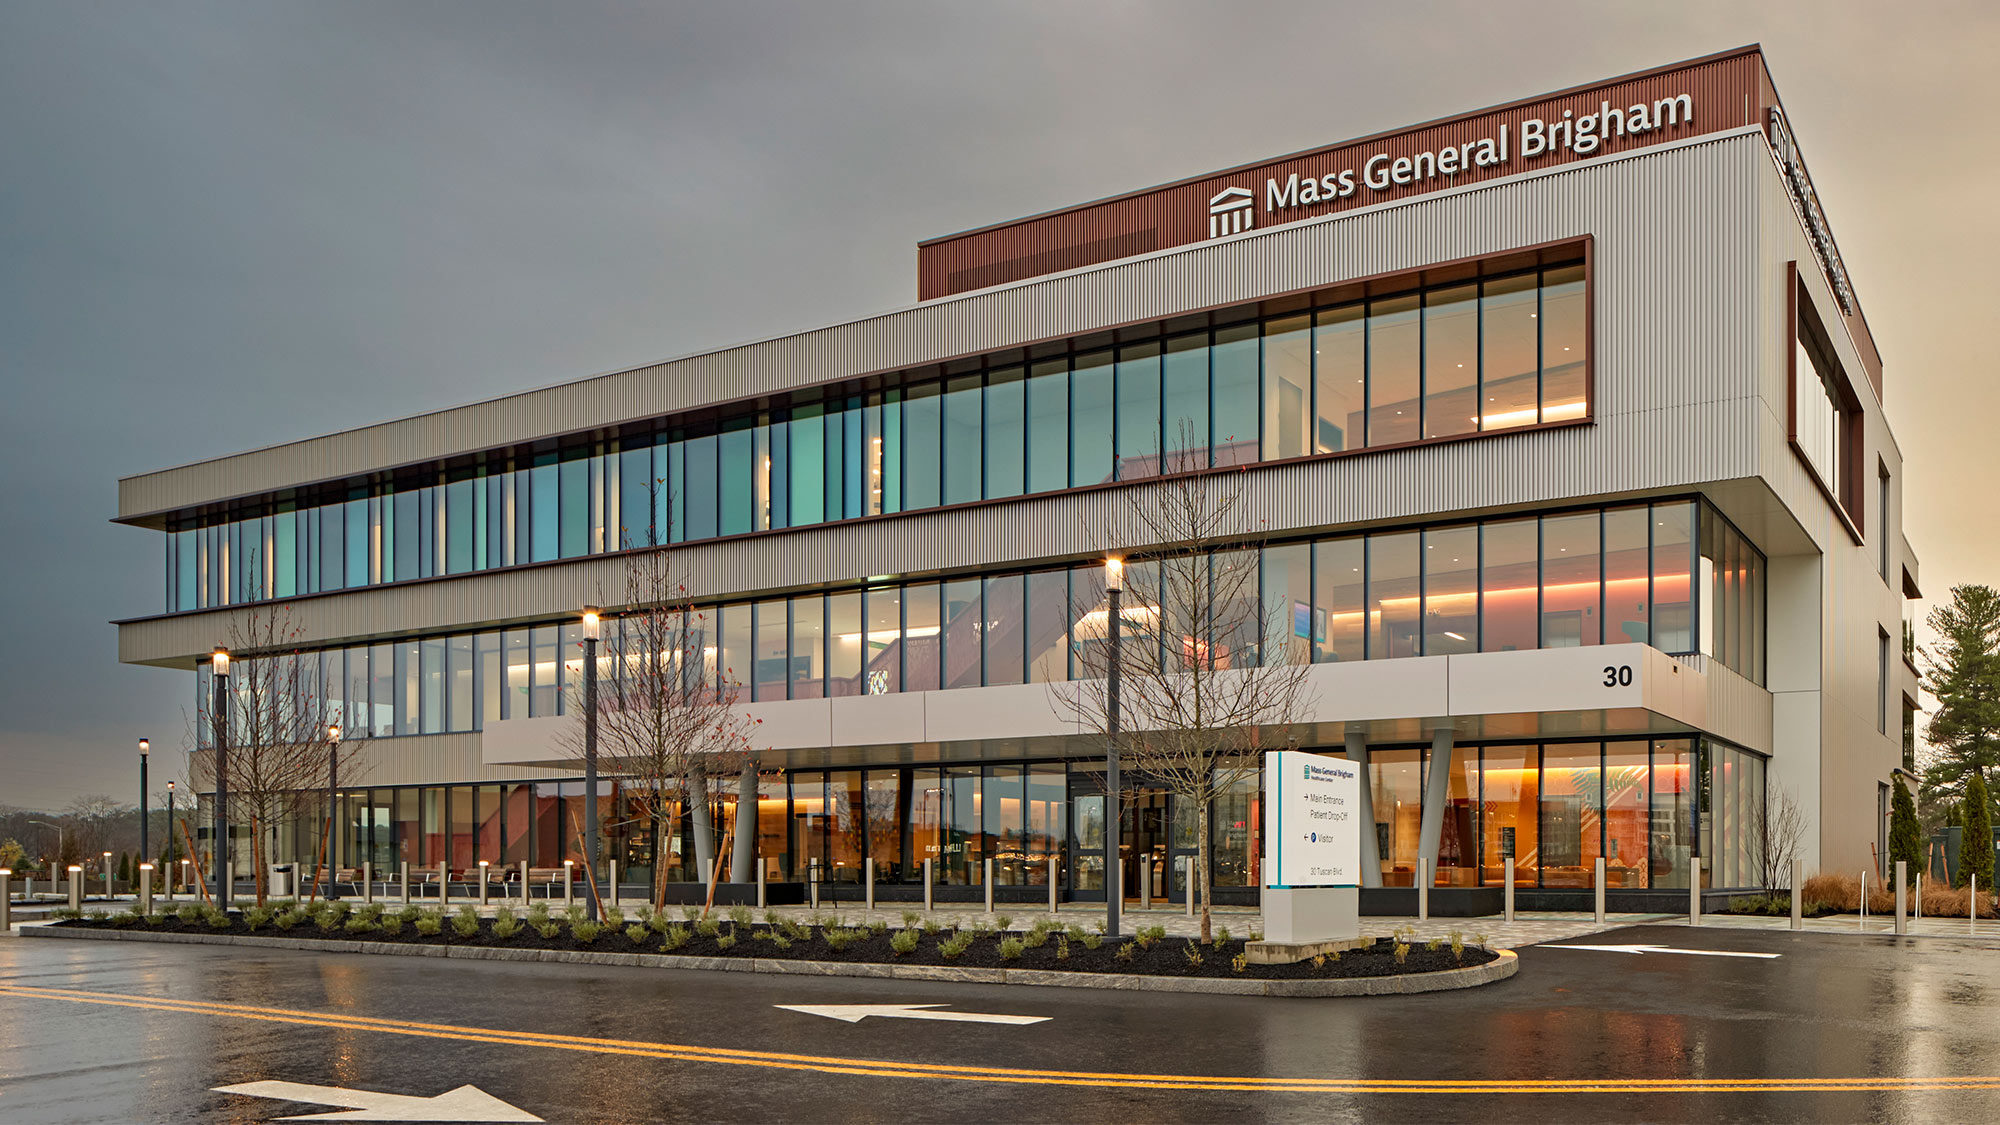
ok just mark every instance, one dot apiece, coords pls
pixel 1640 208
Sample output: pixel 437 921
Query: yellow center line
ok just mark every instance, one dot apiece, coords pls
pixel 891 1069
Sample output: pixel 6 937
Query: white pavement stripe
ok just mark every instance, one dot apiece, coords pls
pixel 1643 949
pixel 467 1103
pixel 855 1013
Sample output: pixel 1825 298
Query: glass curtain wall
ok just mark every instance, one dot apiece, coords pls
pixel 1253 385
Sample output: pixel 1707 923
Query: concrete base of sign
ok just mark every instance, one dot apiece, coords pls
pixel 1302 916
pixel 1289 952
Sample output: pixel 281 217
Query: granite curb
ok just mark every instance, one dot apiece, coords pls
pixel 1472 976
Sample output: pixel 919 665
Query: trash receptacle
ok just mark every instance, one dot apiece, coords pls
pixel 281 885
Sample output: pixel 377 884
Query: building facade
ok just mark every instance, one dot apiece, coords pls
pixel 1559 421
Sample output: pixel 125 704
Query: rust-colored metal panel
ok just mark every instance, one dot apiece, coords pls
pixel 1725 91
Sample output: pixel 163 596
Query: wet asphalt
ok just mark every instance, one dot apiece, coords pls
pixel 1830 1007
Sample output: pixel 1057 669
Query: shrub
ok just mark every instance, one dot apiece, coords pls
pixel 780 942
pixel 1402 951
pixel 1434 944
pixel 575 914
pixel 505 925
pixel 958 943
pixel 1151 934
pixel 638 932
pixel 430 922
pixel 1092 941
pixel 1240 962
pixel 361 924
pixel 1255 935
pixel 1457 946
pixel 1062 947
pixel 392 924
pixel 726 941
pixel 586 931
pixel 328 919
pixel 257 917
pixel 286 919
pixel 538 913
pixel 676 937
pixel 218 919
pixel 1976 857
pixel 465 923
pixel 878 927
pixel 708 927
pixel 1004 922
pixel 124 918
pixel 66 914
pixel 904 943
pixel 1128 951
pixel 1035 938
pixel 659 920
pixel 771 918
pixel 372 912
pixel 548 930
pixel 739 915
pixel 933 926
pixel 1193 953
pixel 691 912
pixel 614 917
pixel 840 937
pixel 410 912
pixel 910 919
pixel 1010 949
pixel 1222 935
pixel 1319 960
pixel 189 912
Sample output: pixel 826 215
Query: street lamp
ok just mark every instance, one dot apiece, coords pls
pixel 170 826
pixel 332 776
pixel 1114 869
pixel 590 621
pixel 57 858
pixel 219 666
pixel 145 751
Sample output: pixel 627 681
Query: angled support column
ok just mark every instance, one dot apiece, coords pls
pixel 1437 789
pixel 1371 852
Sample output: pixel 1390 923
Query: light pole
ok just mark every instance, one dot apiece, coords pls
pixel 145 752
pixel 332 777
pixel 59 848
pixel 1114 891
pixel 220 852
pixel 590 619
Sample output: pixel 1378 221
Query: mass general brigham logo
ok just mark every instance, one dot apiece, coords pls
pixel 1232 211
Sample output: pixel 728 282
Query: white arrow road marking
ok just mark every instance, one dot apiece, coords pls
pixel 855 1013
pixel 1667 949
pixel 467 1103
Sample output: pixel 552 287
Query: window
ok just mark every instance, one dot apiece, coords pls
pixel 922 424
pixel 1139 411
pixel 1451 361
pixel 1510 589
pixel 1510 352
pixel 1340 358
pixel 1288 382
pixel 1006 432
pixel 1570 572
pixel 1882 681
pixel 964 431
pixel 1184 394
pixel 1882 521
pixel 1451 590
pixel 1048 426
pixel 1339 622
pixel 1825 411
pixel 1395 352
pixel 1092 423
pixel 1394 590
pixel 1564 385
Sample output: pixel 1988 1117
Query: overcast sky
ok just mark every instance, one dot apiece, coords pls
pixel 224 225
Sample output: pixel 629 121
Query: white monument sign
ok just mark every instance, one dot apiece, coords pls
pixel 1312 847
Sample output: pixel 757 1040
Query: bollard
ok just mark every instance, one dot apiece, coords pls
pixel 1694 891
pixel 1423 888
pixel 1971 907
pixel 1053 901
pixel 75 887
pixel 1917 906
pixel 989 886
pixel 1863 924
pixel 1902 901
pixel 403 877
pixel 483 885
pixel 145 889
pixel 927 885
pixel 444 885
pixel 868 877
pixel 228 895
pixel 812 883
pixel 6 900
pixel 107 880
pixel 760 886
pixel 614 880
pixel 1798 894
pixel 1187 887
pixel 1145 882
pixel 367 881
pixel 1598 875
pixel 1507 873
pixel 569 883
pixel 524 884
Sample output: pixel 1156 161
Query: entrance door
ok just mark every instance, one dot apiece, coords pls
pixel 1143 843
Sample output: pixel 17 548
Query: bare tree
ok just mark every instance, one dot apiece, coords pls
pixel 666 716
pixel 1208 676
pixel 280 712
pixel 1778 828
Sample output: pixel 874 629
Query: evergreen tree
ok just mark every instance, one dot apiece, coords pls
pixel 1975 856
pixel 124 868
pixel 1905 841
pixel 1963 672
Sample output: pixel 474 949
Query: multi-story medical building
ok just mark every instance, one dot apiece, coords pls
pixel 1562 427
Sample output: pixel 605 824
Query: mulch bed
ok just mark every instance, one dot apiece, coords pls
pixel 1163 957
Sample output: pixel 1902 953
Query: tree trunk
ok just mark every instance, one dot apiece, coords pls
pixel 704 822
pixel 742 865
pixel 1199 876
pixel 662 826
pixel 257 859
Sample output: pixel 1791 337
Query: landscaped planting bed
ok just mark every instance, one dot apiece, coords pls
pixel 826 938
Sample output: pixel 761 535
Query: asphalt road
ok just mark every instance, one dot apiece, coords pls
pixel 125 1032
